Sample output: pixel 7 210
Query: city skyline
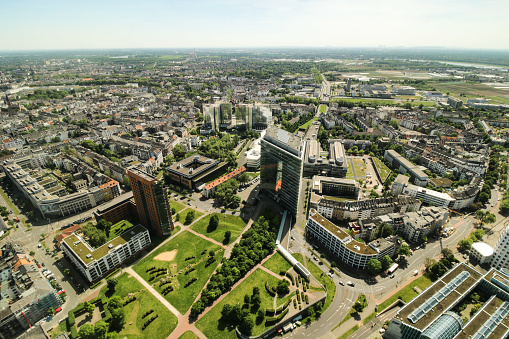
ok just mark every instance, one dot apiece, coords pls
pixel 238 23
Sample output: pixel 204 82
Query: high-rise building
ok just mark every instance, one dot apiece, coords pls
pixel 500 259
pixel 281 167
pixel 152 202
pixel 217 116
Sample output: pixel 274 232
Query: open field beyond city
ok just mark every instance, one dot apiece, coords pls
pixel 189 264
pixel 474 90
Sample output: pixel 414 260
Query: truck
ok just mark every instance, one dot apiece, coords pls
pixel 391 269
pixel 288 327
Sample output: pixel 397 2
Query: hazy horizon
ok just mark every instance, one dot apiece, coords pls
pixel 115 24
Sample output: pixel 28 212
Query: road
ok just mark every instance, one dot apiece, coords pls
pixel 325 89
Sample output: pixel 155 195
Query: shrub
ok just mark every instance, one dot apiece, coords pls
pixel 70 318
pixel 74 332
pixel 190 282
pixel 307 299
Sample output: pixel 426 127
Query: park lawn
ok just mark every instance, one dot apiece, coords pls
pixel 349 171
pixel 360 168
pixel 9 202
pixel 184 212
pixel 322 109
pixel 60 328
pixel 212 324
pixel 187 245
pixel 189 335
pixel 382 169
pixel 253 175
pixel 300 258
pixel 165 323
pixel 277 263
pixel 407 293
pixel 178 206
pixel 227 222
pixel 325 281
pixel 307 124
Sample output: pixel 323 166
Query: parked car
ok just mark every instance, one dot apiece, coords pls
pixel 341 283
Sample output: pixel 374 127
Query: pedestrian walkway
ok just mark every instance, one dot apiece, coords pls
pixel 153 291
pixel 206 238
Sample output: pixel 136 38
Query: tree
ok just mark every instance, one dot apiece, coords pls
pixel 283 286
pixel 213 222
pixel 114 302
pixel 112 283
pixel 490 218
pixel 386 262
pixel 478 234
pixel 189 217
pixel 484 197
pixel 177 217
pixel 118 318
pixel 101 329
pixel 51 311
pixel 446 252
pixel 243 178
pixel 89 308
pixel 178 152
pixel 196 309
pixel 87 331
pixel 227 236
pixel 67 271
pixel 374 266
pixel 394 123
pixel 127 182
pixel 465 244
pixel 504 206
pixel 173 211
pixel 32 253
pixel 358 307
pixel 404 250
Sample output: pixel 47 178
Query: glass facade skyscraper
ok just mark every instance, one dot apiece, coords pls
pixel 281 167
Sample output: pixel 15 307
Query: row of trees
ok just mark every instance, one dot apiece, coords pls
pixel 466 244
pixel 256 244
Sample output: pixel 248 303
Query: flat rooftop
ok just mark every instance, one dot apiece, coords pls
pixel 82 250
pixel 476 323
pixel 330 226
pixel 444 304
pixel 279 136
pixel 192 166
pixel 143 174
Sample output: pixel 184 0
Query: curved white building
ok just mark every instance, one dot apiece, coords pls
pixel 481 252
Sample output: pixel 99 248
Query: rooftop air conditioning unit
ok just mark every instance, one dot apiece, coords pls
pixel 110 246
pixel 89 256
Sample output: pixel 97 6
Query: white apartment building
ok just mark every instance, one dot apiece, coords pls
pixel 354 253
pixel 94 263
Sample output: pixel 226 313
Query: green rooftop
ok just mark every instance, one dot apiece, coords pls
pixel 82 250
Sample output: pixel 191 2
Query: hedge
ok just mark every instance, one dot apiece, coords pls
pixel 104 300
pixel 78 308
pixel 112 273
pixel 270 320
pixel 269 289
pixel 70 318
pixel 307 299
pixel 289 276
pixel 97 284
pixel 74 332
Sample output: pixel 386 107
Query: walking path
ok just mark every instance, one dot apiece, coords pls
pixel 153 291
pixel 207 238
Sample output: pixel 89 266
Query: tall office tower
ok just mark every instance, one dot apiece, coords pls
pixel 500 258
pixel 281 167
pixel 244 116
pixel 217 116
pixel 348 85
pixel 262 116
pixel 152 202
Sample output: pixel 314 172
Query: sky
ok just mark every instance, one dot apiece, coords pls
pixel 90 24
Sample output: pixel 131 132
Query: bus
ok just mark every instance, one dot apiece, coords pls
pixel 393 268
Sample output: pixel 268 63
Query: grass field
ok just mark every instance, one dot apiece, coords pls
pixel 307 124
pixel 213 326
pixel 184 212
pixel 9 202
pixel 407 293
pixel 299 257
pixel 349 171
pixel 322 109
pixel 325 281
pixel 360 168
pixel 277 263
pixel 145 301
pixel 383 170
pixel 189 335
pixel 178 206
pixel 252 175
pixel 228 222
pixel 187 245
pixel 472 90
